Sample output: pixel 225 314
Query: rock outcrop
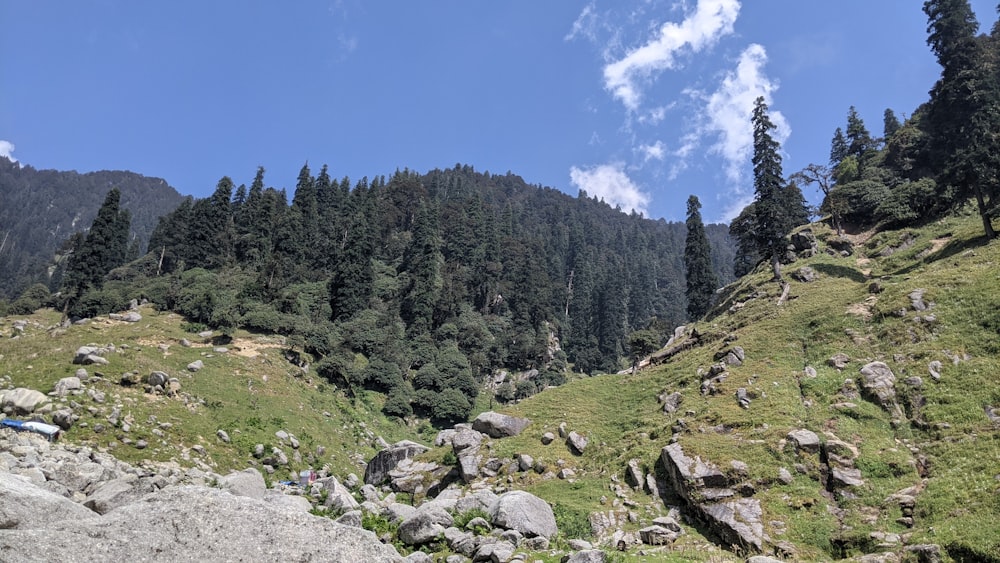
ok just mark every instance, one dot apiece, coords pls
pixel 496 425
pixel 714 499
pixel 377 470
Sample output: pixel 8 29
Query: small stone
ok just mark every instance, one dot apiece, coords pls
pixel 548 438
pixel 223 435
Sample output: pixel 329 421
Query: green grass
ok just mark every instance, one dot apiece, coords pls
pixel 250 397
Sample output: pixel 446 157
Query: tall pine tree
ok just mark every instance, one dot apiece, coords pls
pixel 964 111
pixel 104 248
pixel 701 279
pixel 771 218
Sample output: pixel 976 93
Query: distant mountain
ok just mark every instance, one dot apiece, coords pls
pixel 41 209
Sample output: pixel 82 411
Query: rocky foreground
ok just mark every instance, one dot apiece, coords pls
pixel 63 503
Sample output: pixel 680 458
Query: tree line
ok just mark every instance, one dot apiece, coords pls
pixel 421 286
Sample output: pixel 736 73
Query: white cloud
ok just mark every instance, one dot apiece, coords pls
pixel 727 111
pixel 724 119
pixel 610 183
pixel 656 151
pixel 711 20
pixel 6 148
pixel 585 24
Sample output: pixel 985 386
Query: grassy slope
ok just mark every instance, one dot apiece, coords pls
pixel 959 507
pixel 251 392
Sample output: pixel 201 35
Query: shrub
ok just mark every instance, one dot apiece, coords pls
pixel 33 298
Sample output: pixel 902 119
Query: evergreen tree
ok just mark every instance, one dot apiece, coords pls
pixel 890 124
pixel 838 148
pixel 771 216
pixel 104 248
pixel 741 230
pixel 964 111
pixel 859 140
pixel 423 262
pixel 701 279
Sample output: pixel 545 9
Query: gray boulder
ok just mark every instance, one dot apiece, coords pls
pixel 805 274
pixel 112 494
pixel 64 418
pixel 158 378
pixel 22 401
pixel 424 525
pixel 377 470
pixel 496 425
pixel 24 505
pixel 67 385
pixel 195 365
pixel 657 535
pixel 524 512
pixel 587 556
pixel 804 440
pixel 738 522
pixel 338 496
pixel 671 402
pixel 577 443
pixel 204 524
pixel 878 383
pixel 246 483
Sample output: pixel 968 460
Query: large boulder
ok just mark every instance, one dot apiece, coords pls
pixel 67 385
pixel 24 505
pixel 737 522
pixel 112 494
pixel 424 525
pixel 377 470
pixel 496 425
pixel 22 401
pixel 338 496
pixel 524 512
pixel 195 524
pixel 246 483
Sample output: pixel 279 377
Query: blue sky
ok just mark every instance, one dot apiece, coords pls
pixel 640 102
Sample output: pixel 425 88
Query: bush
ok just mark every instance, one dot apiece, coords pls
pixel 397 404
pixel 33 298
pixel 99 302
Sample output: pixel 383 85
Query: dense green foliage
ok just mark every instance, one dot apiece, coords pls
pixel 944 155
pixel 40 209
pixel 103 248
pixel 421 286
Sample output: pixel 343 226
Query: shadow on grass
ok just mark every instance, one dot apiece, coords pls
pixel 838 271
pixel 954 247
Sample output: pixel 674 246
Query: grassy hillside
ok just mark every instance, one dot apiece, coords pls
pixel 944 448
pixel 947 447
pixel 251 391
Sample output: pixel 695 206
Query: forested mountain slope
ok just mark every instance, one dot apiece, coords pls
pixel 41 209
pixel 423 286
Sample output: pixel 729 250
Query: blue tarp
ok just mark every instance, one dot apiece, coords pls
pixel 47 430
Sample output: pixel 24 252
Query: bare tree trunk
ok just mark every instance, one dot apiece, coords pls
pixel 159 266
pixel 785 289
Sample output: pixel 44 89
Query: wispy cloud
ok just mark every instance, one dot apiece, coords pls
pixel 585 24
pixel 612 184
pixel 6 148
pixel 711 20
pixel 656 151
pixel 724 119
